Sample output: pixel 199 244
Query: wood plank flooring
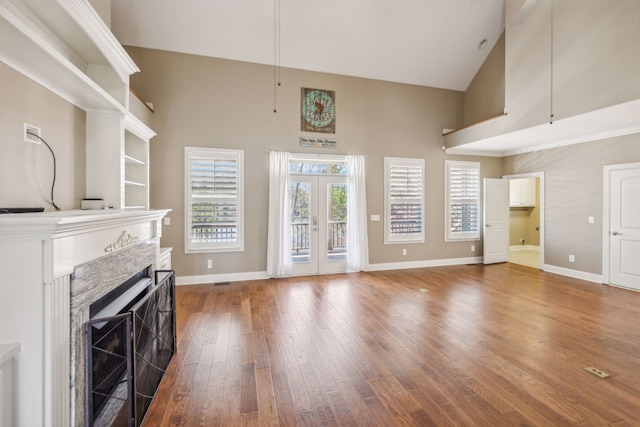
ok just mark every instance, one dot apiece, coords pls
pixel 499 345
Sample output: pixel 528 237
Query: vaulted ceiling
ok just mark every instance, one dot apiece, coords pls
pixel 423 42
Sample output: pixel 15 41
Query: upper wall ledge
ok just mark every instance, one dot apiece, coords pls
pixel 497 137
pixel 66 47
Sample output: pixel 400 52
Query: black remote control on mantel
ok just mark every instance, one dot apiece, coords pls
pixel 20 210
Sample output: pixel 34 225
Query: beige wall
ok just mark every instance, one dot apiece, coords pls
pixel 574 191
pixel 207 102
pixel 484 97
pixel 569 57
pixel 26 169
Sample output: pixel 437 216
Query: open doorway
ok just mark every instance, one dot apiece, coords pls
pixel 526 220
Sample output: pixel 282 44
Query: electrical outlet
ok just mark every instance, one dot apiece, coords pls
pixel 29 132
pixel 167 220
pixel 473 248
pixel 404 252
pixel 572 258
pixel 209 264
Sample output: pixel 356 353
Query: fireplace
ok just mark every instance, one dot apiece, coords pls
pixel 130 342
pixel 55 265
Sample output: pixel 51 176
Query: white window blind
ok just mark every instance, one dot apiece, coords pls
pixel 404 200
pixel 214 200
pixel 463 200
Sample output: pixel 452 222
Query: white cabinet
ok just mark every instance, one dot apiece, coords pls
pixel 164 260
pixel 7 387
pixel 522 192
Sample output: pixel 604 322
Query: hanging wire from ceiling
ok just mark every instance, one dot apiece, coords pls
pixel 551 68
pixel 276 53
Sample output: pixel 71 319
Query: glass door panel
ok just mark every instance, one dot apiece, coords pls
pixel 302 198
pixel 318 224
pixel 334 219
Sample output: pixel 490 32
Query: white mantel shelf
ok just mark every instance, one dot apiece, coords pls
pixel 72 221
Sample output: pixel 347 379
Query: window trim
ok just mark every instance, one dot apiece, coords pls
pixel 220 153
pixel 451 236
pixel 390 162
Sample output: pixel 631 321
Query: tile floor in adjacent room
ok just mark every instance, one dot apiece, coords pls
pixel 529 256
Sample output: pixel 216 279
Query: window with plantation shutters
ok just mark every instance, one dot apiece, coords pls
pixel 214 200
pixel 404 200
pixel 462 200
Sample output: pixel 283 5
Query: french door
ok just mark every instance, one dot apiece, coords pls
pixel 318 218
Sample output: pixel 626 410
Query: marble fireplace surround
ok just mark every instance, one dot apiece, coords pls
pixel 90 282
pixel 55 264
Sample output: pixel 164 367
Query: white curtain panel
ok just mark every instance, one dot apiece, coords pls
pixel 357 241
pixel 279 233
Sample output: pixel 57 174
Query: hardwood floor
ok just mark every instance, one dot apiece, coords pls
pixel 499 345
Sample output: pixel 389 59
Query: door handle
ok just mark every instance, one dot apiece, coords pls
pixel 487 225
pixel 315 223
pixel 615 233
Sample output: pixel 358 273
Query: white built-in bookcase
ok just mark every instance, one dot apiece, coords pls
pixel 65 46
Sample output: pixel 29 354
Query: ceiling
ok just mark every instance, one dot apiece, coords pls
pixel 422 42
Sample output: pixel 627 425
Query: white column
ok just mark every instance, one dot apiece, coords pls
pixel 57 352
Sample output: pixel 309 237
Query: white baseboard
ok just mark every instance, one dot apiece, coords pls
pixel 524 248
pixel 261 275
pixel 422 264
pixel 218 278
pixel 576 274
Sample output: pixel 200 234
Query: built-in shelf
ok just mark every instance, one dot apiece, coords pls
pixel 66 47
pixel 130 160
pixel 136 160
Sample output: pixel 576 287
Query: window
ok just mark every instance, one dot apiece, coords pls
pixel 462 200
pixel 214 200
pixel 404 200
pixel 309 167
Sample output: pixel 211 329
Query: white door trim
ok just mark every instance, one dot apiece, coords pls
pixel 606 208
pixel 539 175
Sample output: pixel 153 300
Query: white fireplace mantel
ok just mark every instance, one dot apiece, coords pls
pixel 38 255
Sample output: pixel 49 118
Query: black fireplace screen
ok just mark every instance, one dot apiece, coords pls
pixel 128 355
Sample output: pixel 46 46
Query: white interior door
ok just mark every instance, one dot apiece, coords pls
pixel 496 221
pixel 318 224
pixel 624 228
